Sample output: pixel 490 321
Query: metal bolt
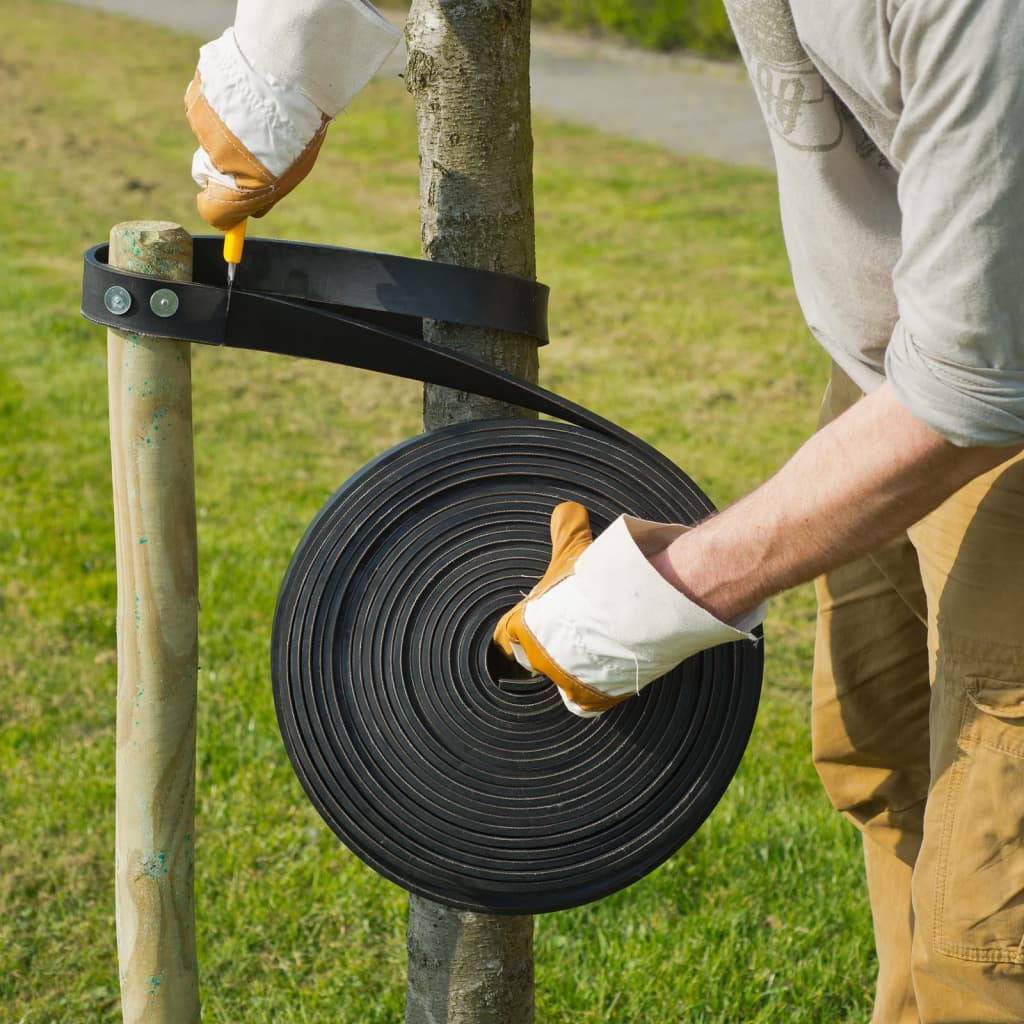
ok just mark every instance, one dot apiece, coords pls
pixel 164 302
pixel 117 300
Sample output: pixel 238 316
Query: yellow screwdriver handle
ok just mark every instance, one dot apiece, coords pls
pixel 234 242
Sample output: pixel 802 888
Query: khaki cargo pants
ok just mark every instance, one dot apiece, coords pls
pixel 918 732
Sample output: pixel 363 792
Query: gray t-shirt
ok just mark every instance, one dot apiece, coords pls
pixel 898 131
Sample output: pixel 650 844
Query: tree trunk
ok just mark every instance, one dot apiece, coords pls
pixel 468 71
pixel 467 968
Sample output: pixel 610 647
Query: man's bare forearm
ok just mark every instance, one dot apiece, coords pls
pixel 871 473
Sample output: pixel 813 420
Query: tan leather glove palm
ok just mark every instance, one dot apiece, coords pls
pixel 570 537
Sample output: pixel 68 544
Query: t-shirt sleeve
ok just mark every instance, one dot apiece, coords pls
pixel 956 356
pixel 901 184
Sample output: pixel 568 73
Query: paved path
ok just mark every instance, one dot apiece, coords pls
pixel 682 103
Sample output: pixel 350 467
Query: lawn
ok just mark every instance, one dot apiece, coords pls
pixel 672 314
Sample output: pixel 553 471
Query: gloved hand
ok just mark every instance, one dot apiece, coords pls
pixel 266 90
pixel 602 622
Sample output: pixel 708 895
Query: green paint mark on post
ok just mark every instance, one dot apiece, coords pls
pixel 154 865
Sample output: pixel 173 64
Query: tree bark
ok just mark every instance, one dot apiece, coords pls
pixel 467 968
pixel 468 71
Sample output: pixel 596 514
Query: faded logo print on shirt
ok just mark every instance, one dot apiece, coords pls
pixel 797 103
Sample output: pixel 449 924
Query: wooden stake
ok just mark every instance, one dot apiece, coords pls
pixel 157 646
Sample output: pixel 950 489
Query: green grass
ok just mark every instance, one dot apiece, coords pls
pixel 672 313
pixel 697 25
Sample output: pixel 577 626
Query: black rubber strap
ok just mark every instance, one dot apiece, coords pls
pixel 405 290
pixel 360 319
pixel 411 736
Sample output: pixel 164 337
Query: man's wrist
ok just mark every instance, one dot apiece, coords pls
pixel 690 567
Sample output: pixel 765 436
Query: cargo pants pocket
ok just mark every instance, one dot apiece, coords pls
pixel 979 907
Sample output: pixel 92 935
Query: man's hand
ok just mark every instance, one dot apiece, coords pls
pixel 602 623
pixel 266 90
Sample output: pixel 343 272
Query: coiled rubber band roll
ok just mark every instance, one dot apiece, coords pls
pixel 407 729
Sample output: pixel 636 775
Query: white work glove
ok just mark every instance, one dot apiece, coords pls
pixel 266 90
pixel 602 622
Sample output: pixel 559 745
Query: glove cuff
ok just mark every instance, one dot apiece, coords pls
pixel 625 590
pixel 616 623
pixel 326 49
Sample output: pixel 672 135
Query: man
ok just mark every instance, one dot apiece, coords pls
pixel 897 131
